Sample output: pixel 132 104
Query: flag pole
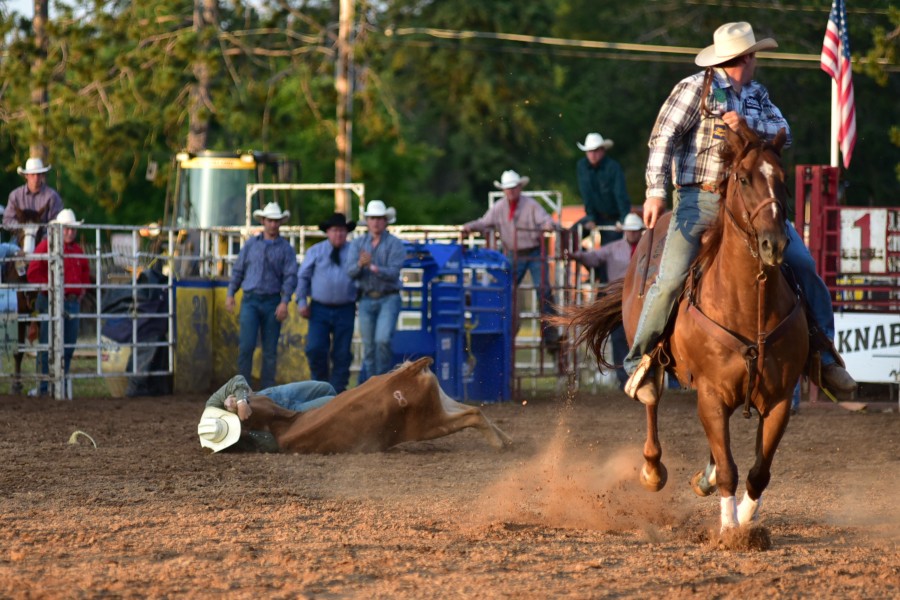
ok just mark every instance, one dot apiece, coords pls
pixel 835 123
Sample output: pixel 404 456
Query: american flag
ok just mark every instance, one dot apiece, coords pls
pixel 836 62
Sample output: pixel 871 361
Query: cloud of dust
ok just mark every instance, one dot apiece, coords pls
pixel 867 502
pixel 579 488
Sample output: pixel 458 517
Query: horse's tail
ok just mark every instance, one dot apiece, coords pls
pixel 595 322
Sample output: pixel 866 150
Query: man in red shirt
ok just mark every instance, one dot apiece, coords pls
pixel 77 274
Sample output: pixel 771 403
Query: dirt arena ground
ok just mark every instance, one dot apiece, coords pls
pixel 560 514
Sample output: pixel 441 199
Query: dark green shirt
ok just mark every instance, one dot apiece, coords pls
pixel 603 191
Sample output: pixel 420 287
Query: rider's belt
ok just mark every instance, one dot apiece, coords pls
pixel 375 294
pixel 704 187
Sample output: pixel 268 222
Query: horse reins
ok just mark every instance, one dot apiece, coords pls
pixel 754 354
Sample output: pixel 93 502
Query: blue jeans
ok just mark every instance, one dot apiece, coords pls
pixel 258 320
pixel 70 335
pixel 694 211
pixel 377 323
pixel 330 329
pixel 301 395
pixel 532 262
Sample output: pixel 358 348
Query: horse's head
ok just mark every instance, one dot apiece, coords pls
pixel 756 198
pixel 31 232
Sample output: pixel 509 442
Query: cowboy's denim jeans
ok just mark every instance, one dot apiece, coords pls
pixel 70 335
pixel 377 322
pixel 330 329
pixel 694 211
pixel 300 395
pixel 533 263
pixel 257 320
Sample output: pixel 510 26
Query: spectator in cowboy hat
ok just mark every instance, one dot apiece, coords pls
pixel 374 263
pixel 35 195
pixel 77 276
pixel 602 187
pixel 690 124
pixel 521 223
pixel 266 269
pixel 616 257
pixel 331 309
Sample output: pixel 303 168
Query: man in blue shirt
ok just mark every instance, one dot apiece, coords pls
pixel 266 269
pixel 374 262
pixel 332 310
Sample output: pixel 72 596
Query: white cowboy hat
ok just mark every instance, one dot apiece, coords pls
pixel 377 208
pixel 730 41
pixel 67 217
pixel 272 211
pixel 632 223
pixel 33 166
pixel 218 429
pixel 510 179
pixel 594 141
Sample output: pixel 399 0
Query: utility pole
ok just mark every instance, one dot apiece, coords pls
pixel 39 94
pixel 344 87
pixel 200 103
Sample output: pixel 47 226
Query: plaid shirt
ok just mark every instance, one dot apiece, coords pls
pixel 684 141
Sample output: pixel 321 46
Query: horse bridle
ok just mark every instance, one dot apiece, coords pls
pixel 752 235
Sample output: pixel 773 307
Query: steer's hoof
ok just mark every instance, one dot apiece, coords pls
pixel 654 480
pixel 701 486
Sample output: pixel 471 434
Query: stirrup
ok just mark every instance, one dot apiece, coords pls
pixel 637 378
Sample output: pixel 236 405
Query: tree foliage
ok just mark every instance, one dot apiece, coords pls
pixel 435 119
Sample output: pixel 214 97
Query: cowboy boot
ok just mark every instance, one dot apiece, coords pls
pixel 642 388
pixel 835 379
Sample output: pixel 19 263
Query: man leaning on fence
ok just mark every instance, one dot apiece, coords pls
pixel 521 222
pixel 266 269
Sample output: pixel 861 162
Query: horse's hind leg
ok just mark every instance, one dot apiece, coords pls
pixel 653 474
pixel 768 436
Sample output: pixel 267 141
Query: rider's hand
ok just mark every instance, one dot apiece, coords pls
pixel 243 409
pixel 732 119
pixel 653 210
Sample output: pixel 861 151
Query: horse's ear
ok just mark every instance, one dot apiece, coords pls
pixel 43 213
pixel 780 139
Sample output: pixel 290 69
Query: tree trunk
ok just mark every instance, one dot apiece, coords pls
pixel 200 103
pixel 39 94
pixel 343 86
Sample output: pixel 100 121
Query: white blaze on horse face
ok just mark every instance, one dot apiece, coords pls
pixel 768 172
pixel 29 236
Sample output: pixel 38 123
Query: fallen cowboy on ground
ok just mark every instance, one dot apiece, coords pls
pixel 404 405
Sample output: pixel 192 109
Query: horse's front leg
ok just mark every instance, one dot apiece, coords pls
pixel 653 474
pixel 768 435
pixel 714 415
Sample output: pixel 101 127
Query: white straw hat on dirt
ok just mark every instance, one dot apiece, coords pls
pixel 218 429
pixel 377 208
pixel 510 179
pixel 33 166
pixel 730 41
pixel 66 217
pixel 632 223
pixel 594 141
pixel 272 211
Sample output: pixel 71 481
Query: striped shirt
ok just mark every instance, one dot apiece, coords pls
pixel 21 198
pixel 324 280
pixel 524 231
pixel 684 140
pixel 265 267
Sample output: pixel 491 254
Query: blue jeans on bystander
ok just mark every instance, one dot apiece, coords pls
pixel 257 321
pixel 330 332
pixel 377 323
pixel 70 335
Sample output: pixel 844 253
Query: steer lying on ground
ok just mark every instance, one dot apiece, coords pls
pixel 404 405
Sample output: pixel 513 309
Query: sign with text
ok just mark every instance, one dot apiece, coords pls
pixel 870 345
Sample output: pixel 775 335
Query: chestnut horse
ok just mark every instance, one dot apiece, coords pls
pixel 28 235
pixel 740 335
